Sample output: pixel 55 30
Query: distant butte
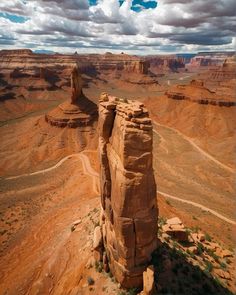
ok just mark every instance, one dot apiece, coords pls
pixel 78 111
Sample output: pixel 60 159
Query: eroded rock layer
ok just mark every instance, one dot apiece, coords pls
pixel 128 189
pixel 78 111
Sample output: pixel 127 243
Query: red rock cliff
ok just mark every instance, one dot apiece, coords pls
pixel 128 189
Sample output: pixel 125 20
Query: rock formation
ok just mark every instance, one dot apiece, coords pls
pixel 162 64
pixel 77 111
pixel 128 189
pixel 149 281
pixel 197 92
pixel 76 85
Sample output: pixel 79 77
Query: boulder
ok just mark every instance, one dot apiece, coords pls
pixel 97 244
pixel 148 281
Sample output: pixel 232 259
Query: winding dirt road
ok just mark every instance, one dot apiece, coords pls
pixel 198 206
pixel 204 153
pixel 88 170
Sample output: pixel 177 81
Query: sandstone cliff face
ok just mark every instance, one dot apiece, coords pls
pixel 160 65
pixel 128 189
pixel 88 63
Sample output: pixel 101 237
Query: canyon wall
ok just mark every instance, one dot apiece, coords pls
pixel 128 189
pixel 88 63
pixel 165 64
pixel 197 92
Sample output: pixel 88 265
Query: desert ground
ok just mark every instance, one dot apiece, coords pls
pixel 49 183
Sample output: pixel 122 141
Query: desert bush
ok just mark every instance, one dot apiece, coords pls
pixel 99 266
pixel 90 281
pixel 212 254
pixel 208 237
pixel 200 248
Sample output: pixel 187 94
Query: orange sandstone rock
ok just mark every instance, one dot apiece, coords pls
pixel 128 189
pixel 77 112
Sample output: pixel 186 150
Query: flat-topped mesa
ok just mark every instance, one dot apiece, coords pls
pixel 128 189
pixel 78 111
pixel 16 52
pixel 197 92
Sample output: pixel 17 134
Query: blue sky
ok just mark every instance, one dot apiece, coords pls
pixel 132 26
pixel 14 18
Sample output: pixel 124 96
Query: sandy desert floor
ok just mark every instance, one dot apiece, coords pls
pixel 42 195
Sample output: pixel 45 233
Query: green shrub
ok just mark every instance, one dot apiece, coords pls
pixel 212 254
pixel 208 237
pixel 200 248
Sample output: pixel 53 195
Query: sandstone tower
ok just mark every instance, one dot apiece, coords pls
pixel 128 189
pixel 78 110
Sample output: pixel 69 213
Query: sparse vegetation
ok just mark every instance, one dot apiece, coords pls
pixel 195 229
pixel 168 203
pixel 90 281
pixel 208 266
pixel 223 265
pixel 99 266
pixel 200 248
pixel 161 221
pixel 208 237
pixel 211 253
pixel 190 253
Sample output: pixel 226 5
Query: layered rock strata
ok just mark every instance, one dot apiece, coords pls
pixel 128 189
pixel 78 111
pixel 197 92
pixel 89 63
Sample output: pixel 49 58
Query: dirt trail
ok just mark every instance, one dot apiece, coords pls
pixel 204 153
pixel 198 206
pixel 44 170
pixel 88 170
pixel 50 258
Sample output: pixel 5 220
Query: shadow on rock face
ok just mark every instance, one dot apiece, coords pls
pixel 7 96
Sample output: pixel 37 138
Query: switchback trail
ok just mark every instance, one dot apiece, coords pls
pixel 88 169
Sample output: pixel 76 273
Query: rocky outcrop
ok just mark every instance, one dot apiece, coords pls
pixel 128 189
pixel 175 228
pixel 196 92
pixel 162 64
pixel 76 85
pixel 77 112
pixel 149 281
